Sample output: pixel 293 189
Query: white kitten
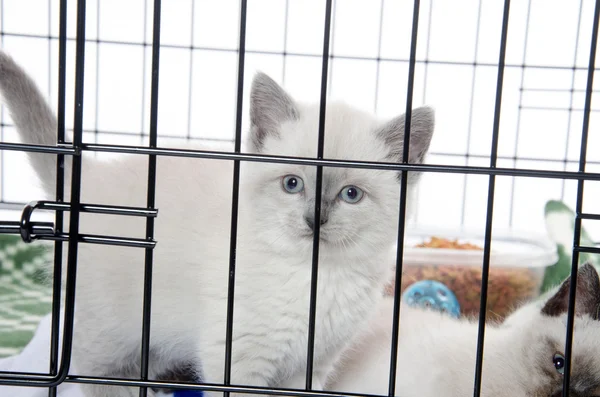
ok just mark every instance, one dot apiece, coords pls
pixel 359 224
pixel 522 357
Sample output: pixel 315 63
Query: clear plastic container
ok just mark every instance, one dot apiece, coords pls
pixel 518 261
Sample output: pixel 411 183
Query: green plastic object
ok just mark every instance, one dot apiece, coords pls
pixel 560 225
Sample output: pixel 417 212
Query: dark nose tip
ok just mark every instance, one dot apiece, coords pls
pixel 311 222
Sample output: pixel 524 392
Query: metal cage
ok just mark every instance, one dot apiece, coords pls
pixel 31 231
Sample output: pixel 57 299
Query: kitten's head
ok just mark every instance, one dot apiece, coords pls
pixel 359 207
pixel 530 361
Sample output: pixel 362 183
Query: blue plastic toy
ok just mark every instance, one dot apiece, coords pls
pixel 434 295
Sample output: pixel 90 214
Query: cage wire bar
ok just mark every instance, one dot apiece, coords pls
pixel 571 95
pixel 75 195
pixel 58 375
pixel 375 165
pixel 579 205
pixel 151 197
pixel 2 112
pixel 144 68
pixel 402 203
pixel 318 192
pixel 60 194
pixel 235 197
pixel 520 106
pixel 490 204
pixel 300 54
pixel 378 70
pixel 191 74
pixel 58 370
pixel 463 208
pixel 41 230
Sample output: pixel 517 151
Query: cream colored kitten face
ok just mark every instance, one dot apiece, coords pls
pixel 359 207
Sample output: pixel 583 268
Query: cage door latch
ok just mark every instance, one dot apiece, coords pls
pixel 30 231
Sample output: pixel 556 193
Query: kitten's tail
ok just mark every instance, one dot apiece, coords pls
pixel 32 115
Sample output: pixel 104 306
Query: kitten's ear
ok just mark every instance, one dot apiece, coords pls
pixel 421 130
pixel 270 106
pixel 587 301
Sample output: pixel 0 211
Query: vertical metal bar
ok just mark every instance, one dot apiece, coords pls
pixel 49 47
pixel 403 197
pixel 425 74
pixel 285 38
pixel 520 109
pixel 428 42
pixel 317 223
pixel 378 70
pixel 60 190
pixel 490 204
pixel 235 195
pixel 97 70
pixel 573 74
pixel 151 198
pixel 331 52
pixel 579 205
pixel 191 75
pixel 144 58
pixel 2 112
pixel 75 193
pixel 470 126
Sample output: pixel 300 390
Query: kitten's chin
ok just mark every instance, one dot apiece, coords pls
pixel 323 239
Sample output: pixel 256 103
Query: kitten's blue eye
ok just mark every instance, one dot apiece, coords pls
pixel 351 194
pixel 559 363
pixel 292 184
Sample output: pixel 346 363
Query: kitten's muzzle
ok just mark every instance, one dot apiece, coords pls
pixel 310 221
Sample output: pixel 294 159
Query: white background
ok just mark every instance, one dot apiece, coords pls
pixel 458 45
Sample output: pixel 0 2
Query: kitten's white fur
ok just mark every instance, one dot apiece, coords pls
pixel 191 258
pixel 436 354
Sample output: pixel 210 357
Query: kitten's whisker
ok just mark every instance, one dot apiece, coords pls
pixel 278 237
pixel 357 244
pixel 343 241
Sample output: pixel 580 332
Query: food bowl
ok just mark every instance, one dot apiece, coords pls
pixel 518 261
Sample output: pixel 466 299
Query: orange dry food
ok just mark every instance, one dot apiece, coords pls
pixel 438 242
pixel 507 286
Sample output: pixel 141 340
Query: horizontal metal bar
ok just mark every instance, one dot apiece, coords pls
pixel 117 210
pixel 554 109
pixel 24 376
pixel 556 89
pixel 45 231
pixel 104 240
pixel 589 250
pixel 100 209
pixel 595 217
pixel 138 133
pixel 89 208
pixel 30 379
pixel 38 228
pixel 23 147
pixel 512 158
pixel 230 140
pixel 311 55
pixel 210 387
pixel 35 380
pixel 344 163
